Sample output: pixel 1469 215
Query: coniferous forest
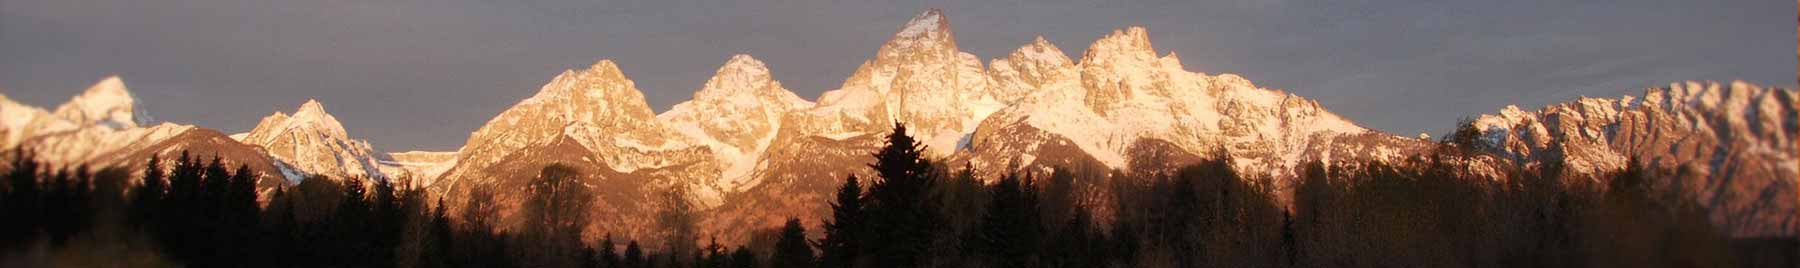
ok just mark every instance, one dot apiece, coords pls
pixel 202 211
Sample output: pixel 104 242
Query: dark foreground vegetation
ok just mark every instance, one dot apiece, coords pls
pixel 1427 212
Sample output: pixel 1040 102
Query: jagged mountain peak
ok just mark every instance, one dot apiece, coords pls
pixel 1041 50
pixel 311 107
pixel 1736 136
pixel 310 116
pixel 107 102
pixel 1033 67
pixel 928 31
pixel 605 67
pixel 736 114
pixel 312 141
pixel 745 77
pixel 930 23
pixel 594 94
pixel 1130 43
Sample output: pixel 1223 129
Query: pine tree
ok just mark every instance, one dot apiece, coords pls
pixel 20 207
pixel 791 250
pixel 1077 245
pixel 609 256
pixel 1012 227
pixel 351 226
pixel 843 234
pixel 634 255
pixel 902 214
pixel 742 258
pixel 147 196
pixel 438 241
pixel 715 255
pixel 282 227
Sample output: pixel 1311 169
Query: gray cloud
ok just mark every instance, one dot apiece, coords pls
pixel 421 74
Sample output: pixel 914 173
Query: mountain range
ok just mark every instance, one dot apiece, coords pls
pixel 751 153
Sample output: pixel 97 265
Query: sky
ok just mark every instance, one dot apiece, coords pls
pixel 422 74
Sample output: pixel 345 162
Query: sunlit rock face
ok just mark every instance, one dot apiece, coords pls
pixel 736 115
pixel 312 142
pixel 1731 145
pixel 102 128
pixel 594 120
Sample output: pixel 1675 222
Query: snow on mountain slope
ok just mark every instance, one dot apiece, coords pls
pixel 596 121
pixel 312 141
pixel 99 128
pixel 919 78
pixel 1732 142
pixel 107 103
pixel 1122 98
pixel 422 167
pixel 737 114
pixel 19 121
pixel 598 107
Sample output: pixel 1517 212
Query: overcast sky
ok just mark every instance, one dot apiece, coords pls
pixel 422 74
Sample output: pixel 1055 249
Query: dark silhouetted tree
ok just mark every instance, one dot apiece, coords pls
pixel 634 255
pixel 147 196
pixel 901 214
pixel 742 258
pixel 845 231
pixel 1012 228
pixel 792 249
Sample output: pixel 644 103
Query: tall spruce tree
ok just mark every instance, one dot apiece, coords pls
pixel 845 230
pixel 791 250
pixel 1012 228
pixel 900 210
pixel 742 258
pixel 634 255
pixel 609 254
pixel 20 205
pixel 147 196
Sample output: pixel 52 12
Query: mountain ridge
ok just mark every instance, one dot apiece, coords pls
pixel 752 153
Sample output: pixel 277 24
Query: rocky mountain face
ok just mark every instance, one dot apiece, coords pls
pixel 751 153
pixel 595 121
pixel 918 77
pixel 99 128
pixel 312 142
pixel 736 115
pixel 1731 145
pixel 1122 107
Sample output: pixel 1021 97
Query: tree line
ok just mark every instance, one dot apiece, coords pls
pixel 1428 211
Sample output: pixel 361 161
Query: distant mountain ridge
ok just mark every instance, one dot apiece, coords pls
pixel 752 153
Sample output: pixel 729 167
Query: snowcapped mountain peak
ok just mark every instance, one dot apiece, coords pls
pixel 607 68
pixel 1131 43
pixel 312 114
pixel 736 114
pixel 19 121
pixel 928 31
pixel 1121 66
pixel 311 107
pixel 107 102
pixel 930 23
pixel 1707 130
pixel 313 142
pixel 1036 66
pixel 745 78
pixel 1041 50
